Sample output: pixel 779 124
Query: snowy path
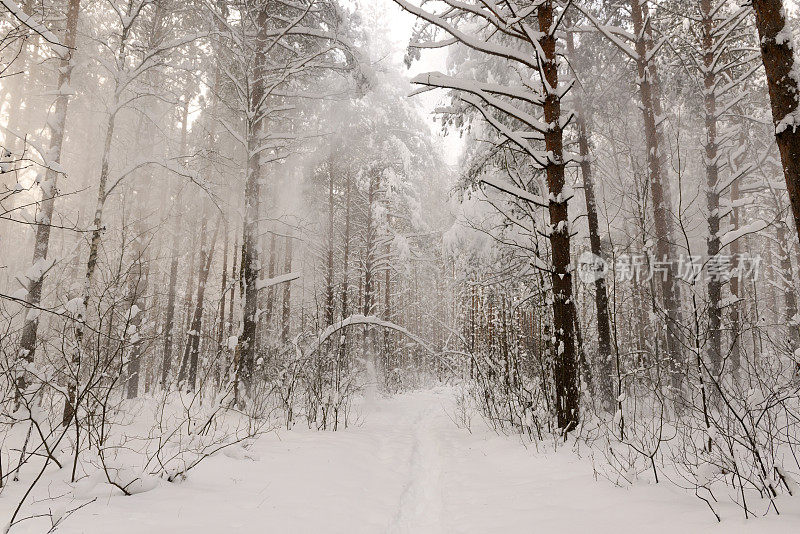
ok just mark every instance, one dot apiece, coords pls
pixel 407 469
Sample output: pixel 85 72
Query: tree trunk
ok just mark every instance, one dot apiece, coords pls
pixel 223 291
pixel 712 178
pixel 186 317
pixel 345 272
pixel 287 293
pixel 232 301
pixel 782 81
pixel 271 290
pixel 193 343
pixel 566 369
pixel 369 245
pixel 375 371
pixel 346 254
pixel 652 114
pixel 606 364
pixel 736 284
pixel 190 308
pixel 250 265
pixel 56 124
pixel 787 284
pixel 329 289
pixel 169 318
pixel 91 264
pixel 387 299
pixel 137 288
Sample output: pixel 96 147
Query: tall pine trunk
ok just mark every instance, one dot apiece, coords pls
pixel 708 43
pixel 57 126
pixel 169 318
pixel 606 366
pixel 329 282
pixel 287 292
pixel 250 266
pixel 223 291
pixel 193 343
pixel 782 81
pixel 652 114
pixel 565 368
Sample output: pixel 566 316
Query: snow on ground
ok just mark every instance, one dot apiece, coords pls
pixel 406 468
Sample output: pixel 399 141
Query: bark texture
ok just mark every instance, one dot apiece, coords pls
pixel 777 55
pixel 604 353
pixel 653 115
pixel 57 127
pixel 565 361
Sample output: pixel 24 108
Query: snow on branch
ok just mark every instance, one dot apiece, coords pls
pixel 515 191
pixel 729 237
pixel 282 279
pixel 494 49
pixel 611 33
pixel 171 165
pixel 439 80
pixel 359 320
pixel 519 138
pixel 37 27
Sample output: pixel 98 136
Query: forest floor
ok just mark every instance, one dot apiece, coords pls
pixel 406 467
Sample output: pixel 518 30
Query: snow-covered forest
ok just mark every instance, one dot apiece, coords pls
pixel 399 266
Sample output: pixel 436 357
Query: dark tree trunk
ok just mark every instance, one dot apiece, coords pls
pixel 57 126
pixel 712 178
pixel 346 258
pixel 192 307
pixel 736 285
pixel 566 369
pixel 370 304
pixel 779 65
pixel 387 299
pixel 234 272
pixel 606 364
pixel 193 343
pixel 369 246
pixel 287 293
pixel 652 114
pixel 787 285
pixel 223 291
pixel 345 271
pixel 187 299
pixel 252 192
pixel 329 282
pixel 270 290
pixel 169 318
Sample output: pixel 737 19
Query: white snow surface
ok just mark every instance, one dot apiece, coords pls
pixel 404 468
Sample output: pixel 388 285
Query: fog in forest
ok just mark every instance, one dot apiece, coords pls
pixel 399 266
